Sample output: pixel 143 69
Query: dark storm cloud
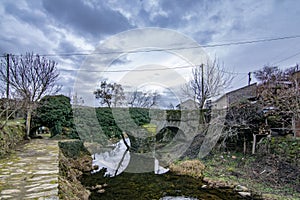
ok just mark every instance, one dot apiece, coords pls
pixel 28 16
pixel 86 19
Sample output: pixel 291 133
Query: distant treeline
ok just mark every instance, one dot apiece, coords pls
pixel 103 122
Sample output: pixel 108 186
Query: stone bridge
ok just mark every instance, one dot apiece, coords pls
pixel 183 124
pixel 146 143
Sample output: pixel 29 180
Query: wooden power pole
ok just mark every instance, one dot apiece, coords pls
pixel 7 71
pixel 202 81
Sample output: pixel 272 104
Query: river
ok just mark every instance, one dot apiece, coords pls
pixel 160 184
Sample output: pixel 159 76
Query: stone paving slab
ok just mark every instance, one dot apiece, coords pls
pixel 31 172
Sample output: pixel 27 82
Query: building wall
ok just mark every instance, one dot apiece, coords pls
pixel 188 105
pixel 221 103
pixel 242 94
pixel 235 96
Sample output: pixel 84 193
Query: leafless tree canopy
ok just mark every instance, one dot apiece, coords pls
pixel 110 94
pixel 30 77
pixel 268 74
pixel 208 80
pixel 279 89
pixel 143 99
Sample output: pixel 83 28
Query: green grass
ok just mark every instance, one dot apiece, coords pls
pixel 222 167
pixel 151 128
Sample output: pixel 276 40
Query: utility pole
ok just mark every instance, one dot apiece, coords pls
pixel 202 81
pixel 7 74
pixel 7 84
pixel 202 91
pixel 249 78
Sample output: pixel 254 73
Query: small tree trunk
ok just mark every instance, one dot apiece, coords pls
pixel 254 144
pixel 294 126
pixel 124 140
pixel 28 125
pixel 245 145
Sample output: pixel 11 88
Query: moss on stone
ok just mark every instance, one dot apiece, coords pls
pixel 11 134
pixel 74 161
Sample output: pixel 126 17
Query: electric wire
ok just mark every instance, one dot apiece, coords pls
pixel 170 49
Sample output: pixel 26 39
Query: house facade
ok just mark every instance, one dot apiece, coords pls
pixel 248 92
pixel 188 105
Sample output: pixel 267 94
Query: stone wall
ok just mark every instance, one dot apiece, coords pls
pixel 74 161
pixel 11 134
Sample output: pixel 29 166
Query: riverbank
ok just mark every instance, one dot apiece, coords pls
pixel 11 135
pixel 226 176
pixel 183 179
pixel 270 175
pixel 74 161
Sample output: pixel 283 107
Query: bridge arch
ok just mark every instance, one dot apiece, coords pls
pixel 167 133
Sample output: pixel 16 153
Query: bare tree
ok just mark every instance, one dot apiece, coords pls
pixel 268 74
pixel 207 81
pixel 171 106
pixel 31 77
pixel 143 99
pixel 76 101
pixel 8 110
pixel 117 94
pixel 240 118
pixel 279 92
pixel 111 94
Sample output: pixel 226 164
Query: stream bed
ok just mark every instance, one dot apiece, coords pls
pixel 160 184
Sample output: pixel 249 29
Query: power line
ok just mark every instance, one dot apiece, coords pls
pixel 178 48
pixel 287 58
pixel 174 48
pixel 129 70
pixel 149 69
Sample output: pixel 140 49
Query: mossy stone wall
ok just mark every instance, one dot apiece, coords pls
pixel 12 134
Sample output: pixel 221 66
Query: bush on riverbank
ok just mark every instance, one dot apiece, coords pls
pixel 192 168
pixel 74 161
pixel 273 170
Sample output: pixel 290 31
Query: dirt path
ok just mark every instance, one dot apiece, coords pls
pixel 31 172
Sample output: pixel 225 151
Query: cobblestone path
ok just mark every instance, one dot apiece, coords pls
pixel 31 172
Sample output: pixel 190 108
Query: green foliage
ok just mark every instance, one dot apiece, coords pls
pixel 99 124
pixel 11 134
pixel 173 115
pixel 151 128
pixel 73 149
pixel 286 148
pixel 106 118
pixel 107 122
pixel 140 115
pixel 87 125
pixel 55 112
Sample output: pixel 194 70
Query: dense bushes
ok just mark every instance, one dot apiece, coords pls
pixel 103 123
pixel 10 136
pixel 110 120
pixel 55 112
pixel 100 124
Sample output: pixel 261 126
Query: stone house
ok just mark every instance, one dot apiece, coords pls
pixel 188 105
pixel 248 92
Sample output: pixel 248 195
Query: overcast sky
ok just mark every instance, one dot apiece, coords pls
pixel 57 27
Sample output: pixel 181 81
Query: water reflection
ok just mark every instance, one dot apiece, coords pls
pixel 117 158
pixel 177 198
